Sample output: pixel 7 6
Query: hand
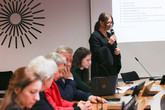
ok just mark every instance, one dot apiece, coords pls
pixel 67 73
pixel 117 51
pixel 84 105
pixel 112 39
pixel 95 99
pixel 88 105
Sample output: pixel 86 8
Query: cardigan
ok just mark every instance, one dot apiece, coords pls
pixel 80 84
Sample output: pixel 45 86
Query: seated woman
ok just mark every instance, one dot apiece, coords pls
pixel 80 68
pixel 23 90
pixel 45 69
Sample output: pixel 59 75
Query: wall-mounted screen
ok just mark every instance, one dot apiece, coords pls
pixel 139 20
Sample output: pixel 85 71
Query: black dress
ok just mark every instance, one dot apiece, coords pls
pixel 13 106
pixel 104 60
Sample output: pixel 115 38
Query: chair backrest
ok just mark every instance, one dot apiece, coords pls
pixel 162 82
pixel 4 79
pixel 4 82
pixel 130 76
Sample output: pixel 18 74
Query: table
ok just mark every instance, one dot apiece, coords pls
pixel 152 102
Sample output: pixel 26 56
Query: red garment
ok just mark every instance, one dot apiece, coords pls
pixel 54 97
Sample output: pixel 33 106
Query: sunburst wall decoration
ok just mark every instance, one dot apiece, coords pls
pixel 19 20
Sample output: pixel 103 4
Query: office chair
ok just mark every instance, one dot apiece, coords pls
pixel 4 81
pixel 130 76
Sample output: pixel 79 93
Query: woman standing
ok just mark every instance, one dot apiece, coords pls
pixel 106 58
pixel 80 68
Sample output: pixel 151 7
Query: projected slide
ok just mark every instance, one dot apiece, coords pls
pixel 139 20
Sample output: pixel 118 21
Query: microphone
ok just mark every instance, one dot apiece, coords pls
pixel 151 78
pixel 112 31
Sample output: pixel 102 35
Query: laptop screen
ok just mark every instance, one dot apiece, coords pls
pixel 130 105
pixel 138 88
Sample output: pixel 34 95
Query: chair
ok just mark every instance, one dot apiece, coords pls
pixel 130 76
pixel 4 81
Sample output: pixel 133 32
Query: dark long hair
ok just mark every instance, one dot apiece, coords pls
pixel 104 18
pixel 78 56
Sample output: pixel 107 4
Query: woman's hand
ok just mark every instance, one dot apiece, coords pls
pixel 117 51
pixel 84 105
pixel 112 39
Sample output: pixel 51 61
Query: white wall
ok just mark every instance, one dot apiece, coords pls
pixel 97 7
pixel 67 22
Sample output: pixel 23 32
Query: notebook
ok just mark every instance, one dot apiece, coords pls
pixel 102 86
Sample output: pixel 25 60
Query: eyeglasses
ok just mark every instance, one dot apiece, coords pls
pixel 111 23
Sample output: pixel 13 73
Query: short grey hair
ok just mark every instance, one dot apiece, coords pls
pixel 44 67
pixel 62 48
pixel 56 57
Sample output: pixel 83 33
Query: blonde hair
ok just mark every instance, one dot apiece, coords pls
pixel 21 78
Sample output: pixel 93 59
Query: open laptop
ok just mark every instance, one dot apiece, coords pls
pixel 147 90
pixel 131 104
pixel 102 86
pixel 138 88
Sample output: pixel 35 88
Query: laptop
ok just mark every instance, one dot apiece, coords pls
pixel 131 104
pixel 138 88
pixel 102 86
pixel 147 89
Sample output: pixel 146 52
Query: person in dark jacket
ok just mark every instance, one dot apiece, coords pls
pixel 106 57
pixel 69 92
